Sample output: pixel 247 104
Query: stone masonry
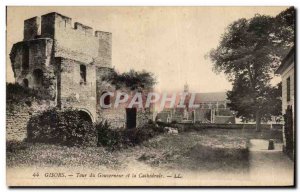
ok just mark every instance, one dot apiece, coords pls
pixel 65 63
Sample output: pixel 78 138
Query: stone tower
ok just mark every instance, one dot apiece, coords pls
pixel 62 61
pixel 65 64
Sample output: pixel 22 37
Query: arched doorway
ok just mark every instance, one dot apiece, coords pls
pixel 86 115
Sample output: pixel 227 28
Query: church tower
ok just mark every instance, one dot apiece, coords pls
pixel 186 88
pixel 186 102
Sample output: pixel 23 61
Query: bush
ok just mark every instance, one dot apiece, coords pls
pixel 17 95
pixel 138 135
pixel 67 128
pixel 107 136
pixel 15 146
pixel 118 138
pixel 159 129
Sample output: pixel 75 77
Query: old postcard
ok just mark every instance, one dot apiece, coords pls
pixel 150 96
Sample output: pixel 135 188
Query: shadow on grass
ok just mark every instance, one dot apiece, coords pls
pixel 222 159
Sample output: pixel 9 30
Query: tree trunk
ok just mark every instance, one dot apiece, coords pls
pixel 258 120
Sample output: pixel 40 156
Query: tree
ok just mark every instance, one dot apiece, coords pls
pixel 249 52
pixel 242 100
pixel 134 80
pixel 285 30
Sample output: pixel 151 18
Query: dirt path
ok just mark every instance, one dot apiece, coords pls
pixel 269 167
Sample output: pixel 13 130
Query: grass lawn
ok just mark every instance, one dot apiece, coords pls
pixel 44 155
pixel 206 149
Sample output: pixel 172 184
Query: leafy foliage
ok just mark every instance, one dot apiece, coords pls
pixel 246 103
pixel 249 52
pixel 120 138
pixel 132 79
pixel 16 93
pixel 285 24
pixel 107 136
pixel 67 128
pixel 16 146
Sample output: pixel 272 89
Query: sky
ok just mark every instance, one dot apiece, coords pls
pixel 170 42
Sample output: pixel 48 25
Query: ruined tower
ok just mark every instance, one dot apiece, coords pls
pixel 66 64
pixel 62 61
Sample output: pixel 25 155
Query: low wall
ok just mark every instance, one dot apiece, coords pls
pixel 226 126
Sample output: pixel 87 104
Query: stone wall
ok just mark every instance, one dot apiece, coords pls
pixel 104 57
pixel 201 115
pixel 143 117
pixel 16 122
pixel 18 115
pixel 74 92
pixel 79 42
pixel 117 116
pixel 224 119
pixel 39 58
pixel 200 126
pixel 32 28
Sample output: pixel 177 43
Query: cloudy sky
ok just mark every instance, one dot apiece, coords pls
pixel 170 42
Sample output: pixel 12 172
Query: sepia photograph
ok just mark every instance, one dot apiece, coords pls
pixel 199 96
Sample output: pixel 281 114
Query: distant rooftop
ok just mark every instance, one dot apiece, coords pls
pixel 213 96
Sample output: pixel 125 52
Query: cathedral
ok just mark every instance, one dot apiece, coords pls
pixel 212 109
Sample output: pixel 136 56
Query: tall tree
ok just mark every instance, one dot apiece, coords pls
pixel 249 52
